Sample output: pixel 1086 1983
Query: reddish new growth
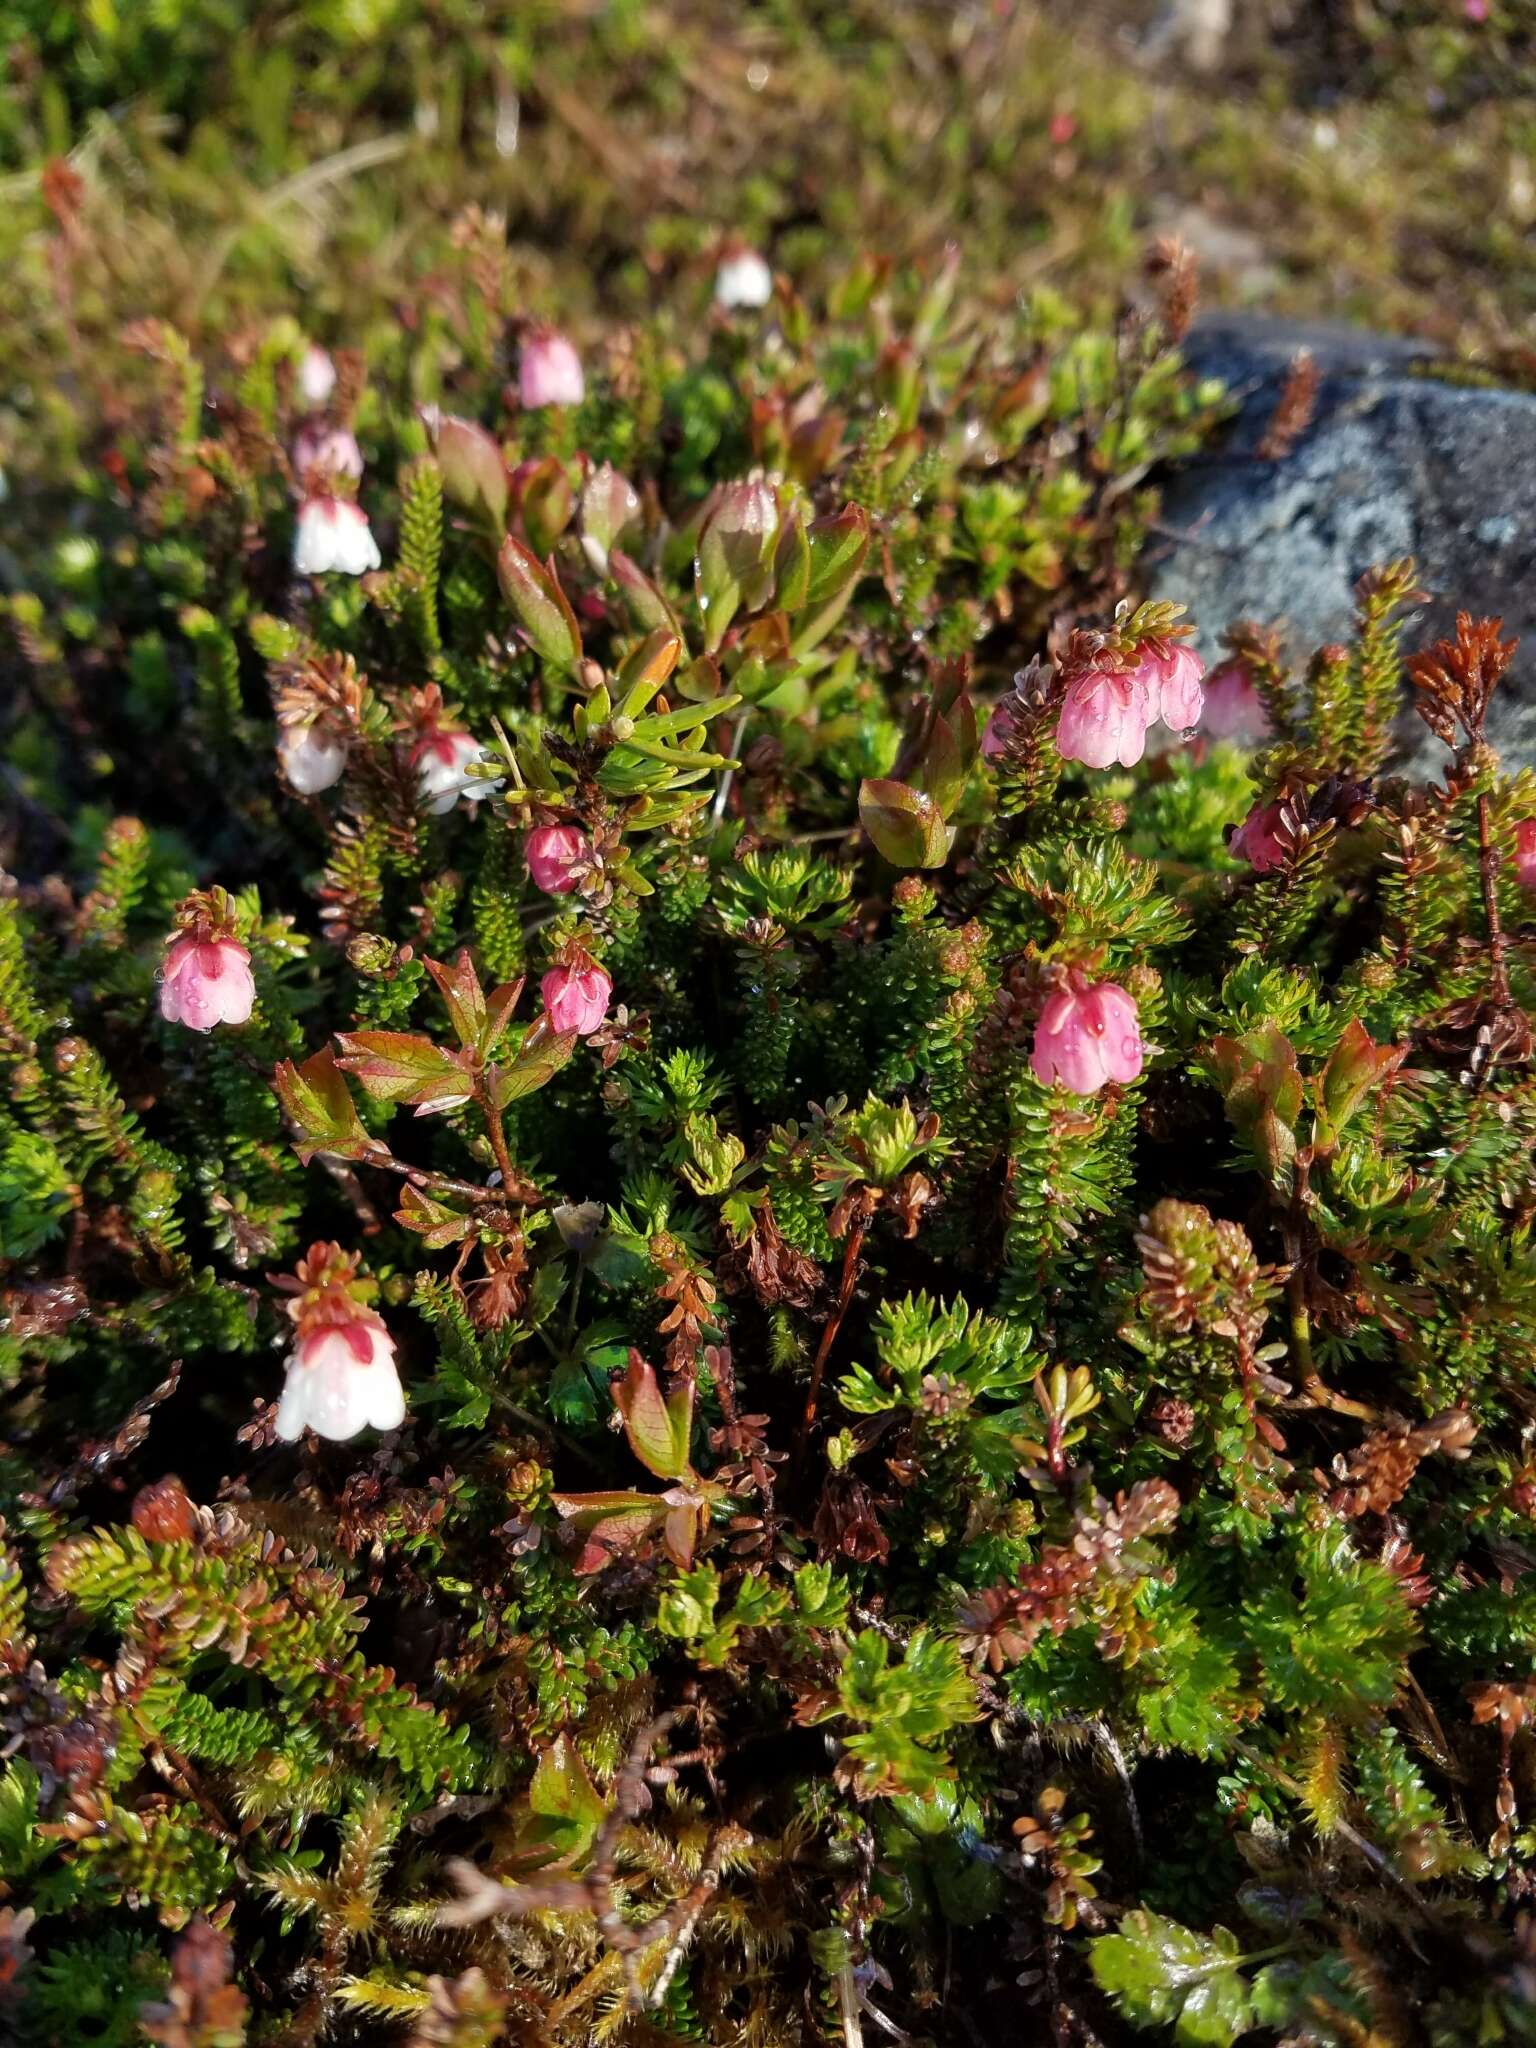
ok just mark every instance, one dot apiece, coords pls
pixel 1454 680
pixel 1003 1623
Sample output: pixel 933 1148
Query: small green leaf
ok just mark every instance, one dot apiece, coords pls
pixel 537 1060
pixel 659 1427
pixel 543 610
pixel 319 1105
pixel 474 474
pixel 905 823
pixel 402 1066
pixel 1161 1974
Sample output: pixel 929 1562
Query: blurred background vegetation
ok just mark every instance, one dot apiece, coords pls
pixel 214 160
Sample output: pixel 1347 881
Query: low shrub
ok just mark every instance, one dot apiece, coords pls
pixel 736 1308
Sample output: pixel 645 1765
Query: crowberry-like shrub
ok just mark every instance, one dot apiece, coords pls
pixel 760 1374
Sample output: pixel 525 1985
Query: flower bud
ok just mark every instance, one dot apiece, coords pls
pixel 331 451
pixel 553 852
pixel 1525 852
pixel 549 371
pixel 1258 840
pixel 576 995
pixel 1234 709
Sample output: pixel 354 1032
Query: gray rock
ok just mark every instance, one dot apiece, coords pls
pixel 1395 462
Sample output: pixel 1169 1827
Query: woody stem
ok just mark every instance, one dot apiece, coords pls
pixel 834 1322
pixel 498 1137
pixel 1498 965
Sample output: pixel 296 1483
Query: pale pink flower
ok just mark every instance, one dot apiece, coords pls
pixel 441 761
pixel 1234 710
pixel 313 758
pixel 743 278
pixel 1258 840
pixel 576 996
pixel 1104 717
pixel 1476 11
pixel 341 1378
pixel 1525 852
pixel 206 982
pixel 1087 1036
pixel 333 534
pixel 552 851
pixel 317 377
pixel 333 451
pixel 1175 684
pixel 549 371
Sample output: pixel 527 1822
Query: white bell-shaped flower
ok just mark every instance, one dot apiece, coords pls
pixel 341 1378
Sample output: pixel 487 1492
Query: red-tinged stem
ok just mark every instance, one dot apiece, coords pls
pixel 834 1321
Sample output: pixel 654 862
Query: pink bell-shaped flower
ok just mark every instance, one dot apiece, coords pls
pixel 341 1378
pixel 549 371
pixel 1258 840
pixel 1176 686
pixel 1087 1035
pixel 1525 852
pixel 1104 717
pixel 313 758
pixel 553 853
pixel 1234 710
pixel 576 993
pixel 206 980
pixel 332 451
pixel 333 536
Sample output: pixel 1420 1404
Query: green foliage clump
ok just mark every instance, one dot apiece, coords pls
pixel 877 1540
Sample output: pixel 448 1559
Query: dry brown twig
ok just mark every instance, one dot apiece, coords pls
pixel 482 1897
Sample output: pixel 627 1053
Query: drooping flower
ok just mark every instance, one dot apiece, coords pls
pixel 1175 682
pixel 1259 841
pixel 1234 710
pixel 313 757
pixel 1525 852
pixel 333 535
pixel 743 278
pixel 1088 1034
pixel 1104 717
pixel 576 993
pixel 206 978
pixel 331 451
pixel 553 852
pixel 549 371
pixel 441 761
pixel 341 1371
pixel 317 377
